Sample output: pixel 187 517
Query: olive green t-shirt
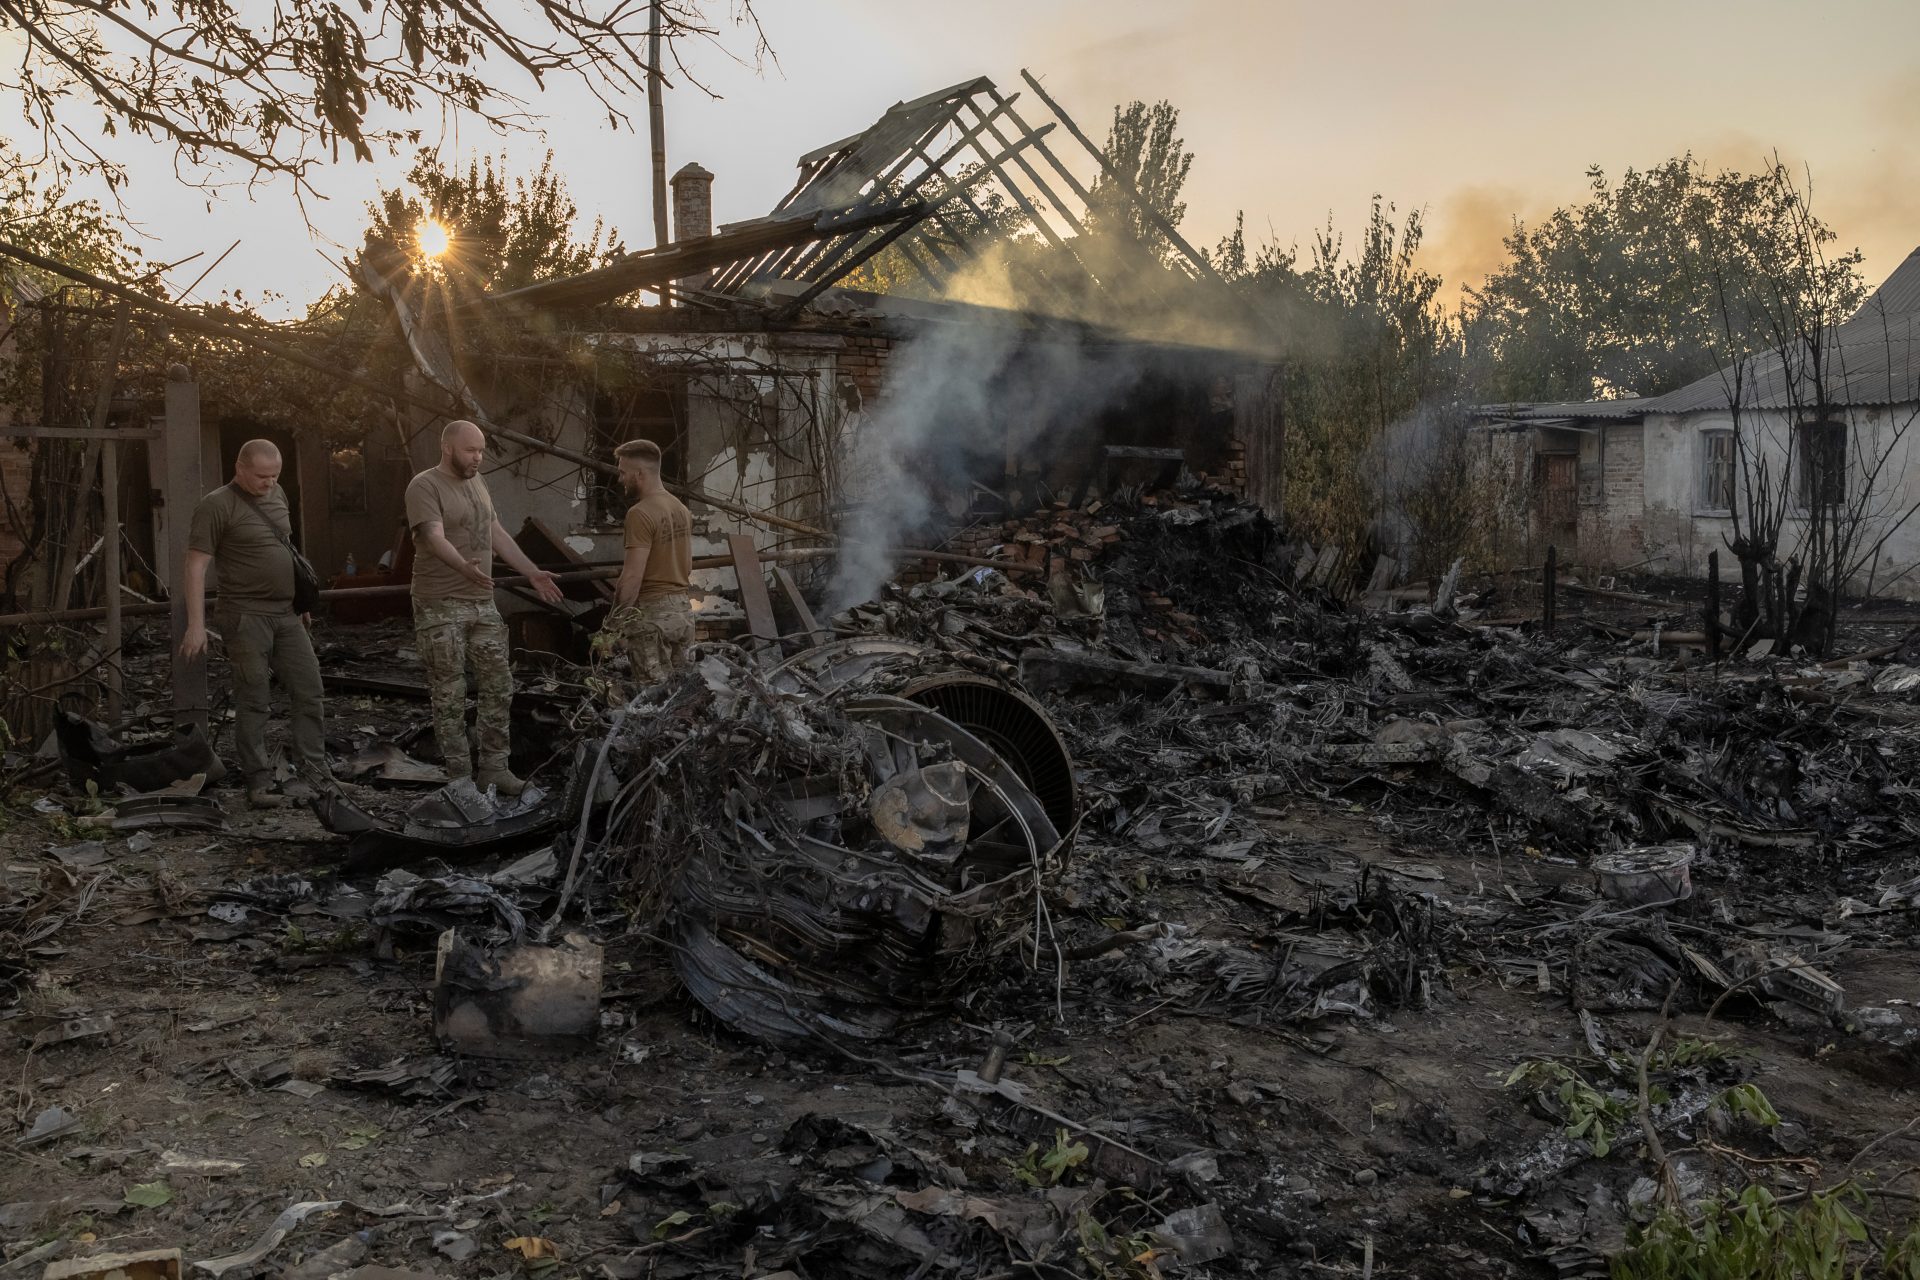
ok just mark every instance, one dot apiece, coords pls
pixel 464 509
pixel 252 567
pixel 661 524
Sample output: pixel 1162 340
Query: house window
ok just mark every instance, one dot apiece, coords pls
pixel 347 482
pixel 1823 464
pixel 1716 471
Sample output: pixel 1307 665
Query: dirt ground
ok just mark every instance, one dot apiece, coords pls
pixel 1384 1145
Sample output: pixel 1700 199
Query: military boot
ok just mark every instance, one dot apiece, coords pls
pixel 501 779
pixel 263 796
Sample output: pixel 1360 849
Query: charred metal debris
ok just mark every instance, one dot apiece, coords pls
pixel 990 828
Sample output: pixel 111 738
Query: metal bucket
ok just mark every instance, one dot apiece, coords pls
pixel 1642 875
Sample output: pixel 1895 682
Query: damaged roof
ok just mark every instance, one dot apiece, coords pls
pixel 1872 359
pixel 905 182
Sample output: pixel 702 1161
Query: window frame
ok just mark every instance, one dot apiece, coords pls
pixel 1833 481
pixel 1704 496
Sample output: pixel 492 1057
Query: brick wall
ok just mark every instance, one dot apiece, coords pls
pixel 1232 473
pixel 864 359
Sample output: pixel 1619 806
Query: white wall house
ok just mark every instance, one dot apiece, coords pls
pixel 1655 482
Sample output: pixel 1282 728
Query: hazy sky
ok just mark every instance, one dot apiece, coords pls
pixel 1477 111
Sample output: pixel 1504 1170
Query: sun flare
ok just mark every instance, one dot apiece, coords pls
pixel 434 239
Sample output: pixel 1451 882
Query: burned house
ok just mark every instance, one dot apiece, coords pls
pixel 1655 481
pixel 1027 361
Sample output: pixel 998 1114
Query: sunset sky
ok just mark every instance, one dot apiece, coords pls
pixel 1476 111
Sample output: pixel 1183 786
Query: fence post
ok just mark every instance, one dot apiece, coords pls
pixel 1713 606
pixel 1547 584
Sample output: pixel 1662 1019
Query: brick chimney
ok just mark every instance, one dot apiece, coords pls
pixel 692 213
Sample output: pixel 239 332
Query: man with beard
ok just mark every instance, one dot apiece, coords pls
pixel 455 537
pixel 651 618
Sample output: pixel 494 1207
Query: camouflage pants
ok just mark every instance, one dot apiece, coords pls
pixel 450 634
pixel 261 646
pixel 655 634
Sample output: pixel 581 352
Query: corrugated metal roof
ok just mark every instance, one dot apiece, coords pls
pixel 1874 358
pixel 1544 411
pixel 1899 294
pixel 1868 362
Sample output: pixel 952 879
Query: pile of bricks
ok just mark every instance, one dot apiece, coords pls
pixel 1232 475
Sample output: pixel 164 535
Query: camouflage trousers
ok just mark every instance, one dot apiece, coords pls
pixel 451 634
pixel 655 634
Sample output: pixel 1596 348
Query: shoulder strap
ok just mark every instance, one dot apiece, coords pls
pixel 253 507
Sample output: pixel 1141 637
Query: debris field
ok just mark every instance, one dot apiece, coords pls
pixel 1152 913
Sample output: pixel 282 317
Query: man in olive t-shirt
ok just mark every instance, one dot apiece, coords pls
pixel 652 618
pixel 242 529
pixel 455 623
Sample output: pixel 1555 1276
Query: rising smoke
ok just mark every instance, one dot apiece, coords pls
pixel 960 399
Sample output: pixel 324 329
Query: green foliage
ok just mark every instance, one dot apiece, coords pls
pixel 506 231
pixel 38 214
pixel 1366 344
pixel 1755 1236
pixel 1629 292
pixel 281 92
pixel 1145 150
pixel 1746 1101
pixel 1589 1114
pixel 1036 1168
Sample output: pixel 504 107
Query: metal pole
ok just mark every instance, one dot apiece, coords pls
pixel 1552 574
pixel 657 126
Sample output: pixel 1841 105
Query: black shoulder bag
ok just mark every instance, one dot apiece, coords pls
pixel 306 582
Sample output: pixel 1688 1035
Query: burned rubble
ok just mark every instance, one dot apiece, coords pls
pixel 1157 911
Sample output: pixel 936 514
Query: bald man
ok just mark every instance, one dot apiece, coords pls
pixel 455 537
pixel 244 529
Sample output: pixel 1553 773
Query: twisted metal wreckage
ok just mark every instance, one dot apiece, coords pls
pixel 883 816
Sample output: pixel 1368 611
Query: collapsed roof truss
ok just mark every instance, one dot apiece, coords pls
pixel 916 181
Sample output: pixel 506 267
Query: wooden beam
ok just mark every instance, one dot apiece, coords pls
pixel 828 276
pixel 753 588
pixel 1159 220
pixel 791 590
pixel 78 433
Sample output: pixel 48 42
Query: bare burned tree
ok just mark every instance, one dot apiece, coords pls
pixel 1819 485
pixel 277 88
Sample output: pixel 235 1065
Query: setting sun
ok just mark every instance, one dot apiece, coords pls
pixel 434 239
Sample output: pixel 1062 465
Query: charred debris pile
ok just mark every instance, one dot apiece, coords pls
pixel 1000 824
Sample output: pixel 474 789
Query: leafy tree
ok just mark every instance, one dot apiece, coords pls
pixel 38 214
pixel 1143 148
pixel 1367 344
pixel 279 93
pixel 1618 296
pixel 503 232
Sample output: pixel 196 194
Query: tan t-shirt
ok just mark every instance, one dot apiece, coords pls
pixel 661 524
pixel 464 509
pixel 252 567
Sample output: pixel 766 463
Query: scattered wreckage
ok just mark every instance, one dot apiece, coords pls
pixel 977 812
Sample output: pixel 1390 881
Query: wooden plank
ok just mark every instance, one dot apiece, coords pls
pixel 78 433
pixel 573 558
pixel 753 588
pixel 791 590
